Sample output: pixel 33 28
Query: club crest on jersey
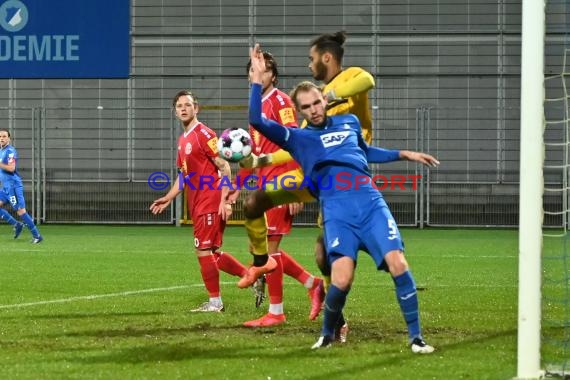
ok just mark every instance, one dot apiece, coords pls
pixel 188 148
pixel 334 138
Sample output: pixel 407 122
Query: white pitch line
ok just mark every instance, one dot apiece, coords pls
pixel 97 296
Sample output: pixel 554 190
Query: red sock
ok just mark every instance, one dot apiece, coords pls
pixel 229 264
pixel 275 282
pixel 293 269
pixel 210 274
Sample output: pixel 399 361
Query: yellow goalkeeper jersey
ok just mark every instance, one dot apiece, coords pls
pixel 351 87
pixel 352 84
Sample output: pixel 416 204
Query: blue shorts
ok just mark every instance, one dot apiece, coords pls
pixel 361 222
pixel 14 196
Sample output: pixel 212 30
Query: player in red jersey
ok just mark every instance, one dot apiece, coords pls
pixel 276 105
pixel 202 170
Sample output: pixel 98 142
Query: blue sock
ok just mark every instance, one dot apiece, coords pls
pixel 29 222
pixel 7 217
pixel 408 299
pixel 334 303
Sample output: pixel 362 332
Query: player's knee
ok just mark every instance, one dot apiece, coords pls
pixel 256 204
pixel 342 282
pixel 342 273
pixel 396 262
pixel 249 209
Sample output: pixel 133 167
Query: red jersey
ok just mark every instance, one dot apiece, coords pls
pixel 197 149
pixel 275 106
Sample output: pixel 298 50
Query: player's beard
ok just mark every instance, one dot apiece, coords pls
pixel 319 71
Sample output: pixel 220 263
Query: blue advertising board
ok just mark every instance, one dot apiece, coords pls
pixel 64 38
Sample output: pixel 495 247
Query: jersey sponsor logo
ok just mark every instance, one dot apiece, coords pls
pixel 334 138
pixel 287 115
pixel 188 148
pixel 213 144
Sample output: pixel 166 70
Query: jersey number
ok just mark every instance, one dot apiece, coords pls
pixel 392 229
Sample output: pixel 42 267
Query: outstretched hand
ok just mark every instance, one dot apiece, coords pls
pixel 295 208
pixel 422 158
pixel 225 210
pixel 232 196
pixel 159 205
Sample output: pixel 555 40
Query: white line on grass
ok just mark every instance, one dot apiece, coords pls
pixel 152 290
pixel 97 296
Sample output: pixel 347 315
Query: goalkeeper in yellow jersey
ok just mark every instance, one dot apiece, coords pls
pixel 346 92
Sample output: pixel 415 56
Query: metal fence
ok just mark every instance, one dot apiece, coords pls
pixel 85 165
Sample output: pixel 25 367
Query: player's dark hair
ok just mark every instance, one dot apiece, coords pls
pixel 270 64
pixel 181 94
pixel 5 130
pixel 330 43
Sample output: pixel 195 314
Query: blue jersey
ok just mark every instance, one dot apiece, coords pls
pixel 330 155
pixel 333 157
pixel 354 213
pixel 9 155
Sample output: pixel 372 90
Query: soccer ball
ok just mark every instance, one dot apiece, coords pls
pixel 234 144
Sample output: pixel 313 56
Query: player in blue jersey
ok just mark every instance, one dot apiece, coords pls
pixel 13 190
pixel 333 156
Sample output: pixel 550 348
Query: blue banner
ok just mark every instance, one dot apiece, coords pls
pixel 64 38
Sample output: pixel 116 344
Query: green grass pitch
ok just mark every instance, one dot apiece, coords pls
pixel 112 302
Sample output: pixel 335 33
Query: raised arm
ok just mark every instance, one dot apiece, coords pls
pixel 274 131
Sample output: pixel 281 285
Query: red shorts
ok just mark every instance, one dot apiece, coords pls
pixel 208 231
pixel 279 221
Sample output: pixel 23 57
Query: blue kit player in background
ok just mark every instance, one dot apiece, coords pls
pixel 13 190
pixel 355 215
